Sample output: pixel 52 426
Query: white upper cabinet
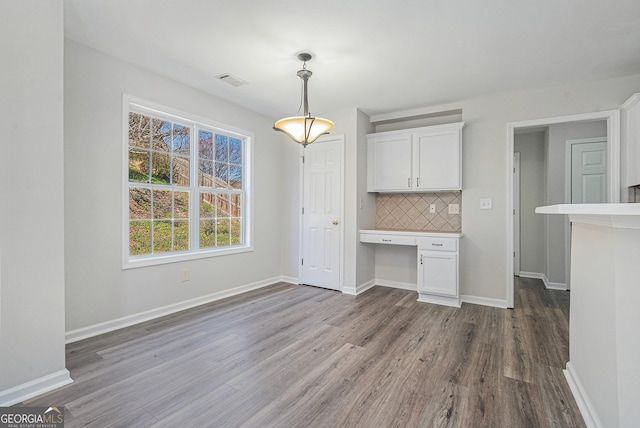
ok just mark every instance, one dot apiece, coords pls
pixel 390 156
pixel 424 159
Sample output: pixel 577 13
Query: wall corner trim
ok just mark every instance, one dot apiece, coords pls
pixel 34 388
pixel 587 411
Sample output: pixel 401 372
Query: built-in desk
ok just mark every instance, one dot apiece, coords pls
pixel 438 257
pixel 604 322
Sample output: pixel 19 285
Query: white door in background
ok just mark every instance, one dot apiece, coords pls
pixel 323 185
pixel 588 172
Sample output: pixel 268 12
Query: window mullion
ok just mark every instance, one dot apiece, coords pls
pixel 194 216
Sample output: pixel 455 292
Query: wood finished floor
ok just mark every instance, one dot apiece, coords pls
pixel 297 356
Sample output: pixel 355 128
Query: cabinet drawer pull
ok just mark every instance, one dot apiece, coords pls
pixel 409 182
pixel 418 182
pixel 436 245
pixel 386 240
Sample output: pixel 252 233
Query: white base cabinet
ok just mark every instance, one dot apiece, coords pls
pixel 438 271
pixel 438 261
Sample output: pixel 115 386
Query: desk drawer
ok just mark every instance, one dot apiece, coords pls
pixel 387 239
pixel 438 244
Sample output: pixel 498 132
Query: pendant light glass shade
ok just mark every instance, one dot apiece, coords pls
pixel 304 129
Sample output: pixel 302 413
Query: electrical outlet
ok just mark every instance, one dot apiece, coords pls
pixel 454 209
pixel 185 275
pixel 432 208
pixel 486 204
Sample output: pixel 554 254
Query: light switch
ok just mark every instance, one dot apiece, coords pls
pixel 454 209
pixel 486 204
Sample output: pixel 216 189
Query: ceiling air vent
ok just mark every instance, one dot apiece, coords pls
pixel 231 80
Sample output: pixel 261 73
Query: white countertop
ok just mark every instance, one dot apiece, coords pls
pixel 620 216
pixel 591 209
pixel 414 233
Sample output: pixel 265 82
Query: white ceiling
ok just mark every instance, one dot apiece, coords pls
pixel 379 56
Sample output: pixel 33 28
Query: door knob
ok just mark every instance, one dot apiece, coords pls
pixel 335 222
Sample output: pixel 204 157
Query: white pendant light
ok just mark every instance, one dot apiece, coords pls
pixel 304 129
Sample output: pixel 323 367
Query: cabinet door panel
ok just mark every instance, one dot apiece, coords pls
pixel 391 163
pixel 438 161
pixel 438 273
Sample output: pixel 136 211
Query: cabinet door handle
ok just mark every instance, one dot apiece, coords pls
pixel 409 182
pixel 417 181
pixel 420 258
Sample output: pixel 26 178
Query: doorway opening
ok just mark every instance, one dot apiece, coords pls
pixel 612 179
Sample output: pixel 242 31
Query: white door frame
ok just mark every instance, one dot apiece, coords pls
pixel 516 213
pixel 612 118
pixel 340 138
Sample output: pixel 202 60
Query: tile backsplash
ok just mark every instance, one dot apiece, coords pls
pixel 410 211
pixel 634 194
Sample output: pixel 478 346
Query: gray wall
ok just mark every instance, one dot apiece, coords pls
pixel 558 239
pixel 533 248
pixel 98 290
pixel 32 195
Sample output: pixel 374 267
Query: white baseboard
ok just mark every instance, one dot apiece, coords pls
pixel 397 284
pixel 534 275
pixel 547 284
pixel 589 414
pixel 33 388
pixel 354 291
pixel 484 301
pixel 129 320
pixel 290 280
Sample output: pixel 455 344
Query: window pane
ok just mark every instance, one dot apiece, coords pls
pixel 236 231
pixel 162 236
pixel 222 148
pixel 235 177
pixel 207 205
pixel 222 232
pixel 138 165
pixel 180 204
pixel 139 237
pixel 139 130
pixel 181 235
pixel 207 233
pixel 235 151
pixel 235 208
pixel 181 139
pixel 222 204
pixel 205 145
pixel 161 168
pixel 161 135
pixel 162 204
pixel 139 203
pixel 181 167
pixel 222 174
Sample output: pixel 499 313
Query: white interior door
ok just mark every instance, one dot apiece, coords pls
pixel 589 173
pixel 322 214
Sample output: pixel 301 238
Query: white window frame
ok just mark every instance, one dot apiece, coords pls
pixel 129 104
